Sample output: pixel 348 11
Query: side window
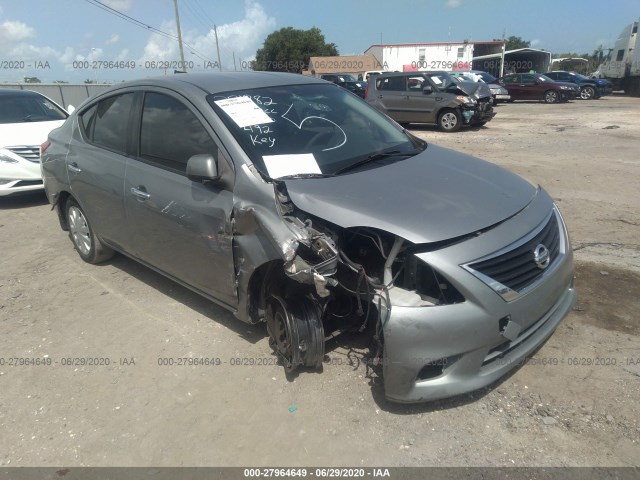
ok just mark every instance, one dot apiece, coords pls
pixel 415 84
pixel 170 133
pixel 620 56
pixel 528 78
pixel 392 83
pixel 105 124
pixel 511 79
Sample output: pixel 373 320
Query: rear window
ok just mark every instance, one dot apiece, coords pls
pixel 105 123
pixel 29 108
pixel 391 83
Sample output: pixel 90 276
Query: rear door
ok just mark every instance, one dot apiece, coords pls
pixel 96 165
pixel 512 84
pixel 180 227
pixel 531 88
pixel 391 97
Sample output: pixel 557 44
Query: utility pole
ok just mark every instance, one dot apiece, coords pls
pixel 504 45
pixel 215 31
pixel 184 66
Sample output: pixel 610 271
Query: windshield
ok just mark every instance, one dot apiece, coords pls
pixel 307 129
pixel 442 80
pixel 580 77
pixel 28 108
pixel 487 77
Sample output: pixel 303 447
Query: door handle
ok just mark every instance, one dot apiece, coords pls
pixel 74 167
pixel 141 194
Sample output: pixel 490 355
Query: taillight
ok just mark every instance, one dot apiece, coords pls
pixel 44 146
pixel 366 91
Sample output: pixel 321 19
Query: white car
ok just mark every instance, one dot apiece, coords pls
pixel 26 118
pixel 499 93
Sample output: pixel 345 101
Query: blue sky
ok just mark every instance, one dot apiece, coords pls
pixel 44 38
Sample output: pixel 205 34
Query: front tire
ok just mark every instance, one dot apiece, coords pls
pixel 449 120
pixel 587 93
pixel 296 334
pixel 88 246
pixel 551 96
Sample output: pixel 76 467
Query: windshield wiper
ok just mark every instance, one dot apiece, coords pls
pixel 377 156
pixel 298 176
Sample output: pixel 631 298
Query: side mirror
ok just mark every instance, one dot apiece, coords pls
pixel 202 167
pixel 427 90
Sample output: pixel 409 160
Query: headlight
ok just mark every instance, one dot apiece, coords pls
pixel 466 100
pixel 5 159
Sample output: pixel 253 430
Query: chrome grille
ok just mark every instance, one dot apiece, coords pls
pixel 513 270
pixel 28 152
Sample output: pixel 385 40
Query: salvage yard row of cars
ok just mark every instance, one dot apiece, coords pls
pixel 290 201
pixel 451 100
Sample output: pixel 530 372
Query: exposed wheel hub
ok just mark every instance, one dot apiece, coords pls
pixel 295 332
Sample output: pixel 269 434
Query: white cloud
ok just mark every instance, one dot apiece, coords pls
pixel 115 38
pixel 535 42
pixel 241 38
pixel 123 55
pixel 14 31
pixel 454 3
pixel 119 4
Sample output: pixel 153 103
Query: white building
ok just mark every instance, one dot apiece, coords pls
pixel 405 57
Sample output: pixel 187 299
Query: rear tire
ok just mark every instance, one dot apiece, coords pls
pixel 449 120
pixel 88 246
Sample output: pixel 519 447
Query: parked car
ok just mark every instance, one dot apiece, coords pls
pixel 431 97
pixel 367 75
pixel 288 201
pixel 590 88
pixel 26 118
pixel 498 92
pixel 358 88
pixel 338 77
pixel 535 86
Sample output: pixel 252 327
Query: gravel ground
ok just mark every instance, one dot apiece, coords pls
pixel 574 403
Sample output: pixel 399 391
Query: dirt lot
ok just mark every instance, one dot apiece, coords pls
pixel 574 403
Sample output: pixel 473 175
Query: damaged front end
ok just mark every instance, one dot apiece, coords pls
pixel 476 100
pixel 342 280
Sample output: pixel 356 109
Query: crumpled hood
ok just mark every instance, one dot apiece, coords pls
pixel 474 89
pixel 436 195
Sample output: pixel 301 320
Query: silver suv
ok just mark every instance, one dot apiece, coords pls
pixel 431 97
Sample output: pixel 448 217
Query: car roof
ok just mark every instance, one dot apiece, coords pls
pixel 5 92
pixel 218 82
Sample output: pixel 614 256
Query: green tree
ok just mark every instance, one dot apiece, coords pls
pixel 289 50
pixel 514 43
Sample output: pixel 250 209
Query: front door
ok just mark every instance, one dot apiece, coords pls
pixel 178 226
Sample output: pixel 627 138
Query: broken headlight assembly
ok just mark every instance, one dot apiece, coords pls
pixel 467 101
